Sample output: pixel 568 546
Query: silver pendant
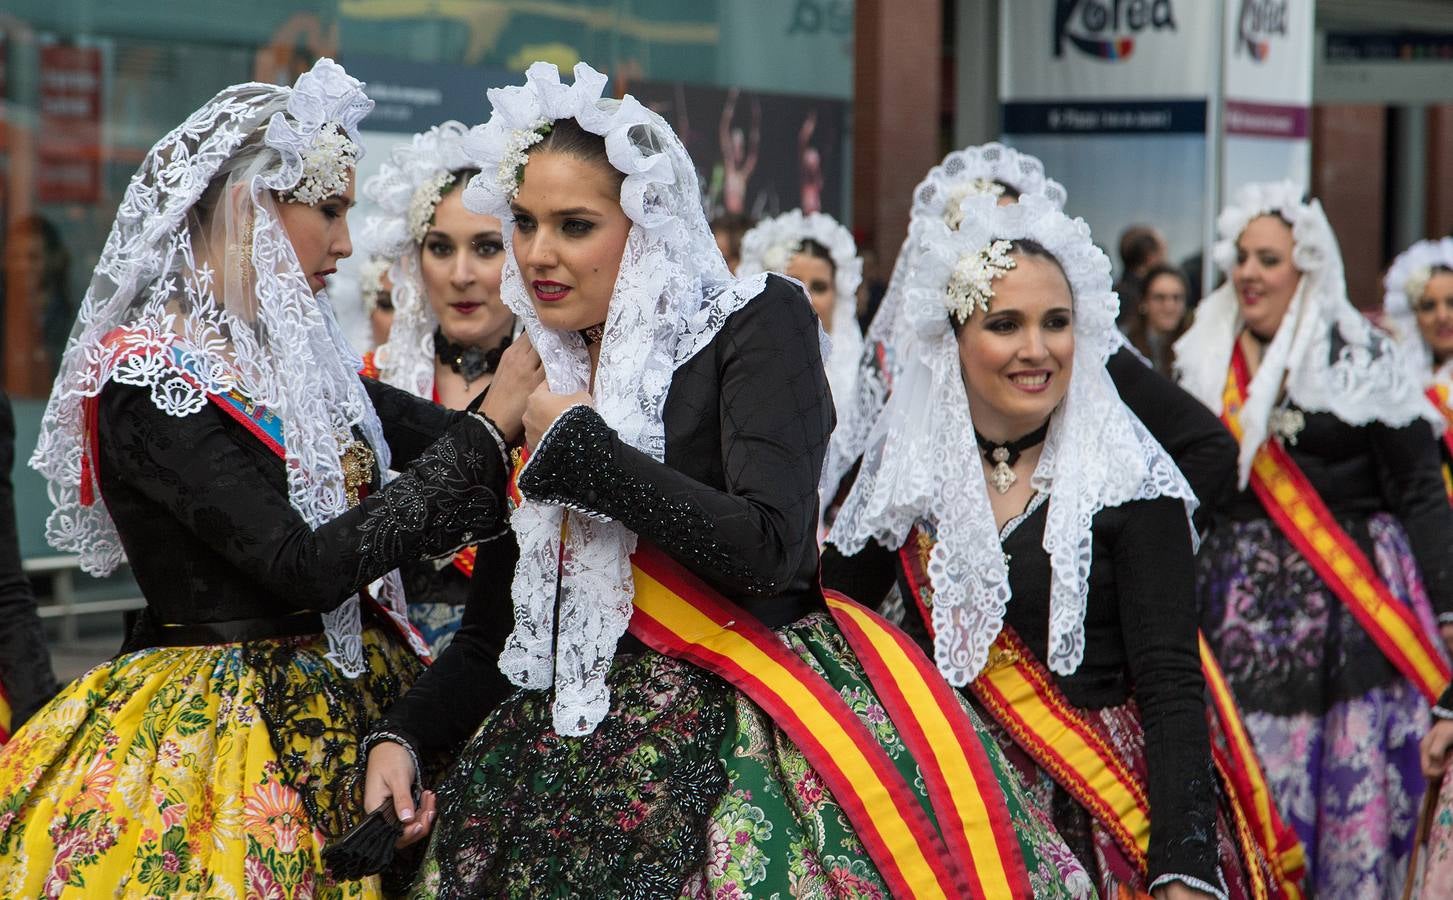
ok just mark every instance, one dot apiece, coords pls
pixel 1002 477
pixel 1287 424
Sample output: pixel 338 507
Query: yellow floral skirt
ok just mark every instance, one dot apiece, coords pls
pixel 216 772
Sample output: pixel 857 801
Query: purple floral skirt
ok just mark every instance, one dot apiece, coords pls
pixel 1336 726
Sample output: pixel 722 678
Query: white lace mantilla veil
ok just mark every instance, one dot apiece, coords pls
pixel 922 464
pixel 405 191
pixel 768 247
pixel 1403 284
pixel 255 326
pixel 1365 380
pixel 671 297
pixel 961 174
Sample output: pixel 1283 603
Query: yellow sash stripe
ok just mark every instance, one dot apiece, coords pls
pixel 666 607
pixel 1068 748
pixel 947 751
pixel 6 715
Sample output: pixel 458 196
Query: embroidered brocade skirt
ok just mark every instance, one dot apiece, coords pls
pixel 209 772
pixel 687 789
pixel 1336 726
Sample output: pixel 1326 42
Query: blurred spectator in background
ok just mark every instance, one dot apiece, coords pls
pixel 36 268
pixel 1141 247
pixel 378 301
pixel 1161 316
pixel 728 229
pixel 25 669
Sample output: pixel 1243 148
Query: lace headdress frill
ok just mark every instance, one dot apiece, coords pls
pixel 1327 354
pixel 964 173
pixel 672 295
pixel 769 247
pixel 921 463
pixel 405 192
pixel 221 293
pixel 1403 285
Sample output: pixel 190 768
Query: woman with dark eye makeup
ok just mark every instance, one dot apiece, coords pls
pixel 450 327
pixel 1319 581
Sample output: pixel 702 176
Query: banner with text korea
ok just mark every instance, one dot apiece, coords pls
pixel 1268 77
pixel 1112 96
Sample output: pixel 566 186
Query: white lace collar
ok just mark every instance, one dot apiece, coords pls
pixel 1360 378
pixel 922 464
pixel 671 297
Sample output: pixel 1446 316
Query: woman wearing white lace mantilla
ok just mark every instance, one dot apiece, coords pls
pixel 450 327
pixel 692 721
pixel 1042 538
pixel 209 426
pixel 1318 582
pixel 821 254
pixel 1193 437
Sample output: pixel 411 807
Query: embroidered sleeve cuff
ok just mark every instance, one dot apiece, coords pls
pixel 1218 892
pixel 394 736
pixel 499 441
pixel 562 468
pixel 1445 618
pixel 1440 712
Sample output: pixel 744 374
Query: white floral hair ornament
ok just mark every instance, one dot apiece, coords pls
pixel 769 247
pixel 971 286
pixel 672 295
pixel 921 464
pixel 1365 380
pixel 981 170
pixel 1403 286
pixel 405 193
pixel 318 139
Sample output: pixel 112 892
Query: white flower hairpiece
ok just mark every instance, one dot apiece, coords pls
pixel 422 204
pixel 971 286
pixel 953 210
pixel 1417 283
pixel 370 278
pixel 326 166
pixel 512 164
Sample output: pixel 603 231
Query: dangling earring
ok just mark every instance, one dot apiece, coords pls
pixel 243 250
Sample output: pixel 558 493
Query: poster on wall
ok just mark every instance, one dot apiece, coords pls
pixel 68 136
pixel 1112 96
pixel 757 153
pixel 1268 77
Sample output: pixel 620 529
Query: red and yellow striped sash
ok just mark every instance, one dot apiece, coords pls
pixel 1258 822
pixel 972 851
pixel 1294 505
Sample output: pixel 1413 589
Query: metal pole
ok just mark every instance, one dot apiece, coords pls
pixel 1215 147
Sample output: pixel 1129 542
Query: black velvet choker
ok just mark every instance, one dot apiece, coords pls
pixel 593 334
pixel 473 363
pixel 1005 455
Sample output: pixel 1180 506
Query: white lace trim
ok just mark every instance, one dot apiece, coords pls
pixel 1194 883
pixel 920 463
pixel 939 196
pixel 1365 380
pixel 672 296
pixel 255 327
pixel 768 247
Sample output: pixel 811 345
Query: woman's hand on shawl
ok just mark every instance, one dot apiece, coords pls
pixel 390 778
pixel 520 372
pixel 544 407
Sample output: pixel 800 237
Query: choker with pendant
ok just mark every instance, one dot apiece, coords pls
pixel 593 334
pixel 1005 455
pixel 466 360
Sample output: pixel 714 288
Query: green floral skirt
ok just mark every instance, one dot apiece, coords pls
pixel 687 789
